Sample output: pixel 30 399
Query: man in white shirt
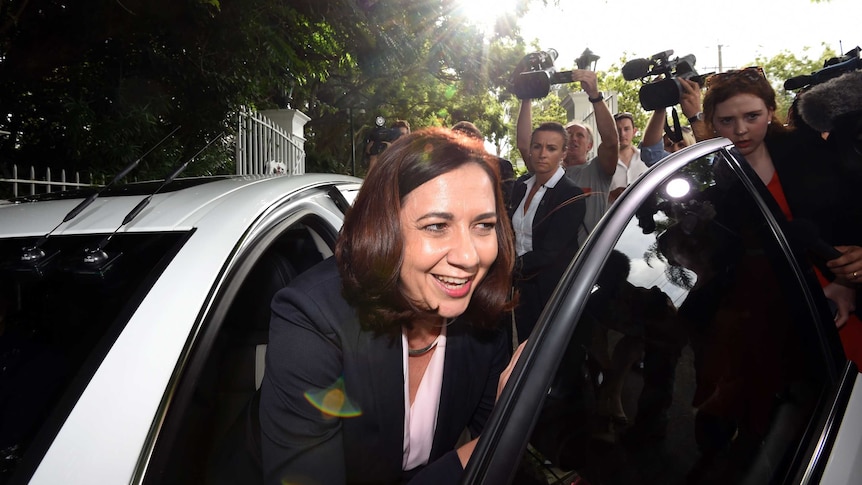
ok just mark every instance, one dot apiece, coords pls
pixel 629 164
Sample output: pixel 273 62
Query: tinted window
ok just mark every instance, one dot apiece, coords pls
pixel 697 357
pixel 57 322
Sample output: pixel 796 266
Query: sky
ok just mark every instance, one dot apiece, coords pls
pixel 740 29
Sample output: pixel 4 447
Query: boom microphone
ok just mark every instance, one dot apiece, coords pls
pixel 822 104
pixel 636 69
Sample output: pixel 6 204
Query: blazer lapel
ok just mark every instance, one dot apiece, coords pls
pixel 547 203
pixel 455 379
pixel 518 193
pixel 386 391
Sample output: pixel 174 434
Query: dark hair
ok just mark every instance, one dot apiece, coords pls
pixel 625 115
pixel 553 127
pixel 744 81
pixel 370 247
pixel 468 129
pixel 401 124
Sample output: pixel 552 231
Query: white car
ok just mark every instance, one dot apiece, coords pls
pixel 126 345
pixel 137 366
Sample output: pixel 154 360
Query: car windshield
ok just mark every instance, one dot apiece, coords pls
pixel 57 320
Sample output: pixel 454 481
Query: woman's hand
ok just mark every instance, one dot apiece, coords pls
pixel 689 97
pixel 847 267
pixel 504 376
pixel 466 450
pixel 589 81
pixel 845 298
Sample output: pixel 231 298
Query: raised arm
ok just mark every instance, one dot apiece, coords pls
pixel 524 129
pixel 608 149
pixel 655 128
pixel 692 108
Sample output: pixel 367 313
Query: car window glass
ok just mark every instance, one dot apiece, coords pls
pixel 695 359
pixel 57 322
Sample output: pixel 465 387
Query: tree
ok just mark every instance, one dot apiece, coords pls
pixel 91 86
pixel 628 100
pixel 786 65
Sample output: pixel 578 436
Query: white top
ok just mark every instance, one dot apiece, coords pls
pixel 626 175
pixel 522 221
pixel 420 419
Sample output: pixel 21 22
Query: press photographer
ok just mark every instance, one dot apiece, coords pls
pixel 664 89
pixel 535 75
pixel 380 137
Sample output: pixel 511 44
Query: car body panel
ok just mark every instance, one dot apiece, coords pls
pixel 239 199
pixel 844 464
pixel 101 440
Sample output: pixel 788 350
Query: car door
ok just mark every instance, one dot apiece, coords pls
pixel 202 422
pixel 688 342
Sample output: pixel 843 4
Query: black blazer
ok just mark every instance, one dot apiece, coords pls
pixel 555 230
pixel 817 187
pixel 316 343
pixel 555 234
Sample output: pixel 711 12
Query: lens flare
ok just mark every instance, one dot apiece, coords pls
pixel 333 401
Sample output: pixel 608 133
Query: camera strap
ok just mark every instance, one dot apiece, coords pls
pixel 675 134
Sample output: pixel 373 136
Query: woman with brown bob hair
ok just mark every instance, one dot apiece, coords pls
pixel 370 249
pixel 380 357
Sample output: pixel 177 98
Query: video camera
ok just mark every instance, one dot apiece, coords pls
pixel 664 92
pixel 535 74
pixel 832 68
pixel 381 137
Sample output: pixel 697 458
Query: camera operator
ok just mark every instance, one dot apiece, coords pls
pixel 593 176
pixel 381 138
pixel 834 109
pixel 653 146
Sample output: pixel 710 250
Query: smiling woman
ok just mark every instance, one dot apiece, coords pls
pixel 421 276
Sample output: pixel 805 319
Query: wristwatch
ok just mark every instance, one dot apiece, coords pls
pixel 697 117
pixel 598 98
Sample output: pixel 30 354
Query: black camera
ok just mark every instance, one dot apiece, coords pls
pixel 535 74
pixel 381 137
pixel 832 68
pixel 664 92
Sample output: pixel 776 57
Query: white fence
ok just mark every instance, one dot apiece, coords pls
pixel 33 185
pixel 263 147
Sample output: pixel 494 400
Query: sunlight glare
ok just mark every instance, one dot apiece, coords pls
pixel 484 13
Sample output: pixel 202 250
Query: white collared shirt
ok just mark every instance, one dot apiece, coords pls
pixel 522 221
pixel 628 174
pixel 420 419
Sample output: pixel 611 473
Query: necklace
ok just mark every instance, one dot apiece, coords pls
pixel 423 350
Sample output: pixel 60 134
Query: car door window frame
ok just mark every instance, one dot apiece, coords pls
pixel 504 440
pixel 260 236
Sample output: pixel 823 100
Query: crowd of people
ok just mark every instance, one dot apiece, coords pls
pixel 446 261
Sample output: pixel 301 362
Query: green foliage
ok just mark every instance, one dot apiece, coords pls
pixel 549 108
pixel 89 86
pixel 786 65
pixel 612 81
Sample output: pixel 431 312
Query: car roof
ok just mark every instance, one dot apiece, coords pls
pixel 214 199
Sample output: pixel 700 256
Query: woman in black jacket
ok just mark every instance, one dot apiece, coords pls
pixel 546 211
